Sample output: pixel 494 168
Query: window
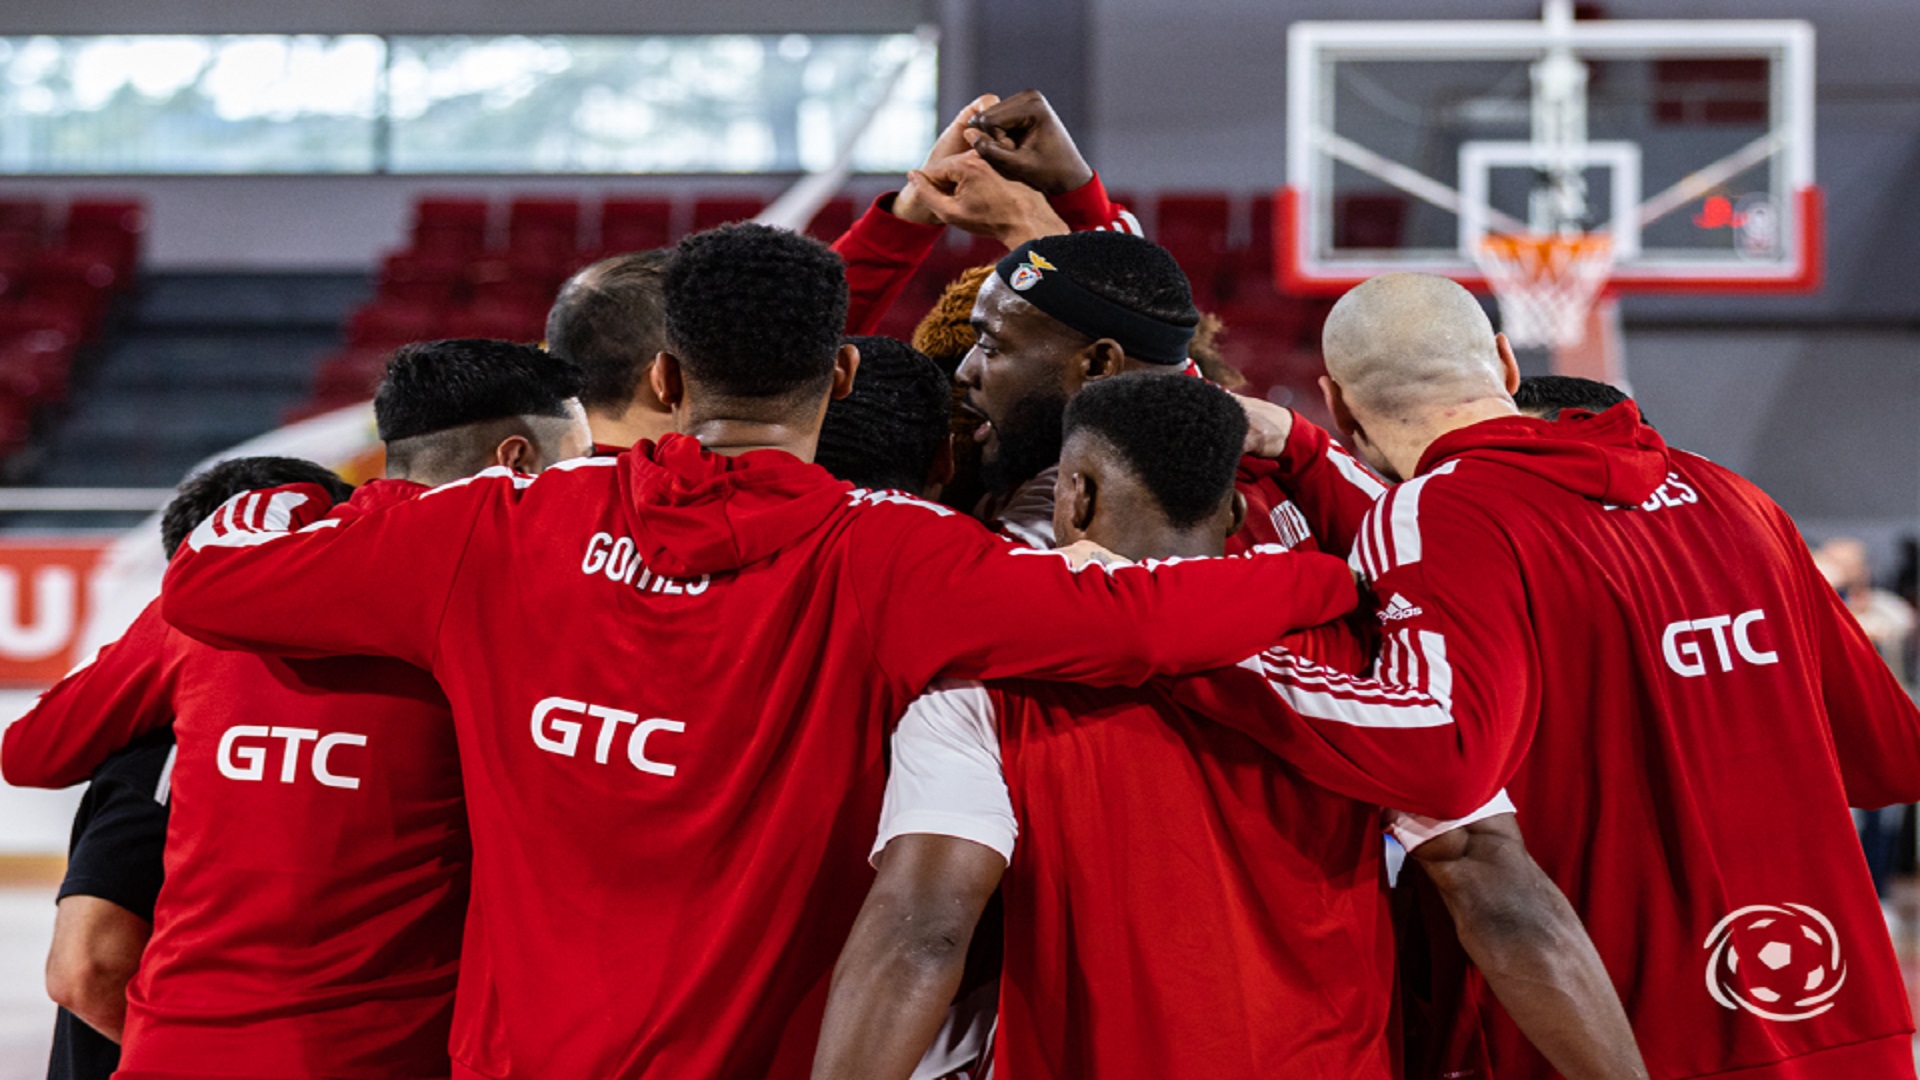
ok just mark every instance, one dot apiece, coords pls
pixel 361 103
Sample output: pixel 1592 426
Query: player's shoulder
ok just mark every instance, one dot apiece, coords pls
pixel 883 515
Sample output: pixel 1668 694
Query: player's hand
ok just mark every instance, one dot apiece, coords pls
pixel 952 141
pixel 1085 552
pixel 1268 427
pixel 965 192
pixel 1025 141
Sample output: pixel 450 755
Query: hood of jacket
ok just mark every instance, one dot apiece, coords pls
pixel 697 512
pixel 1613 456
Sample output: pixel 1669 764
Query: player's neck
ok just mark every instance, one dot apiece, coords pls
pixel 1139 539
pixel 735 437
pixel 629 425
pixel 1405 444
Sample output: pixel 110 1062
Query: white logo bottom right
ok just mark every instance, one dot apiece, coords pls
pixel 1778 962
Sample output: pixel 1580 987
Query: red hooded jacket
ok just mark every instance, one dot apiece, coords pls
pixel 316 859
pixel 671 673
pixel 1636 643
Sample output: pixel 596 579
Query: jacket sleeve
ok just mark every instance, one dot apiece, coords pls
pixel 1876 727
pixel 1329 485
pixel 104 704
pixel 1447 712
pixel 881 253
pixel 942 595
pixel 281 579
pixel 1088 208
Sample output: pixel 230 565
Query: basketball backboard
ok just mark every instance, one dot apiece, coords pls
pixel 1687 144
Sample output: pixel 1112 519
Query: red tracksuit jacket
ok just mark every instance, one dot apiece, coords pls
pixel 671 673
pixel 1179 905
pixel 316 856
pixel 1636 643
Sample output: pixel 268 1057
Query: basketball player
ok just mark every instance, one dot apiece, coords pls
pixel 1634 642
pixel 672 671
pixel 317 854
pixel 610 320
pixel 1178 903
pixel 116 859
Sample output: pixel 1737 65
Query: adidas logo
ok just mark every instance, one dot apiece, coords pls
pixel 1398 608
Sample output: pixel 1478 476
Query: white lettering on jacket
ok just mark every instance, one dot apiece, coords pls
pixel 1675 492
pixel 1681 643
pixel 555 734
pixel 618 561
pixel 242 754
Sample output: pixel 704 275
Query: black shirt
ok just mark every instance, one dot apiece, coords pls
pixel 119 837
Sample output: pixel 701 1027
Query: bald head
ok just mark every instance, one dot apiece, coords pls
pixel 1404 343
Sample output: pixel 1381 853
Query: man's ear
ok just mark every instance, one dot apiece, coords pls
pixel 1509 367
pixel 846 362
pixel 1104 359
pixel 1084 501
pixel 1337 405
pixel 1237 516
pixel 664 377
pixel 516 452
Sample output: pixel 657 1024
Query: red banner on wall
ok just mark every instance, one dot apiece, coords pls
pixel 44 600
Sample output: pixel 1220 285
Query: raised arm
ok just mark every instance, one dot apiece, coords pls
pixel 943 595
pixel 1448 711
pixel 285 580
pixel 99 708
pixel 886 245
pixel 1531 947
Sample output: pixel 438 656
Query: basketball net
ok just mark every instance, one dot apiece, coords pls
pixel 1546 284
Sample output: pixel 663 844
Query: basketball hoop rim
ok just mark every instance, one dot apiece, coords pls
pixel 1294 275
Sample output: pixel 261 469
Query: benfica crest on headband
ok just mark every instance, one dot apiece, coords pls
pixel 1027 274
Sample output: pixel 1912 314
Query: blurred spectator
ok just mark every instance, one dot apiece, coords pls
pixel 1887 619
pixel 1889 622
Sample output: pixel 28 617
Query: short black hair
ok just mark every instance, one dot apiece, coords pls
pixel 1180 435
pixel 754 311
pixel 1547 396
pixel 432 386
pixel 204 492
pixel 887 433
pixel 611 320
pixel 1129 270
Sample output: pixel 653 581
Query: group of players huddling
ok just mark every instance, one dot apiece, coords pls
pixel 669 711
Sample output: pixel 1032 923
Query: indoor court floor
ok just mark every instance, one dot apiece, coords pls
pixel 26 1018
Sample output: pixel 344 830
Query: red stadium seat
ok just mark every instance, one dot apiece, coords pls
pixel 635 224
pixel 504 321
pixel 720 210
pixel 450 225
pixel 423 279
pixel 109 230
pixel 1195 228
pixel 543 230
pixel 832 219
pixel 23 226
pixel 386 323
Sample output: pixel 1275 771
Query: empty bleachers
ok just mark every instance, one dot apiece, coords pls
pixel 477 268
pixel 62 267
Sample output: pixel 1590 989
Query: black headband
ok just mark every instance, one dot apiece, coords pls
pixel 1047 287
